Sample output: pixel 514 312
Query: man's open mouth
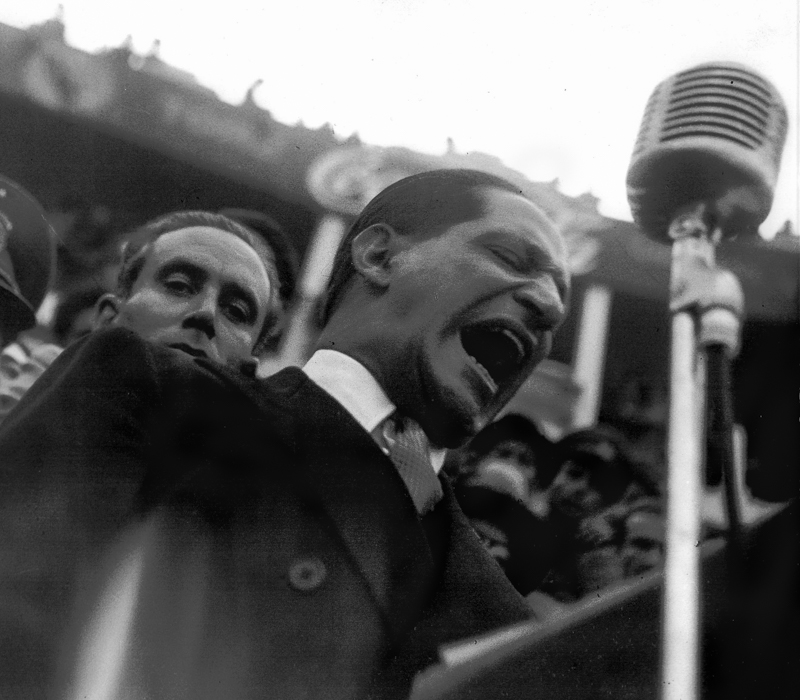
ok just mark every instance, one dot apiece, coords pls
pixel 189 350
pixel 499 350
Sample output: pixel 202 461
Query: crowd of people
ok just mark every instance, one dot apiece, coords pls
pixel 295 533
pixel 563 519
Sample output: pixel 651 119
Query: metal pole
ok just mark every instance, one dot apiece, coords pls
pixel 692 253
pixel 680 670
pixel 590 354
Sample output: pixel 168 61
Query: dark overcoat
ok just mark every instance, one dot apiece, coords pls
pixel 277 552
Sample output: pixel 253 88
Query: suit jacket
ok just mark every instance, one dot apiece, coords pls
pixel 273 549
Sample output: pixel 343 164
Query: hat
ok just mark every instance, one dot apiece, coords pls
pixel 602 443
pixel 286 258
pixel 512 426
pixel 602 450
pixel 27 258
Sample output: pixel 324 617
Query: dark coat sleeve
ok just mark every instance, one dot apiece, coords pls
pixel 71 472
pixel 253 487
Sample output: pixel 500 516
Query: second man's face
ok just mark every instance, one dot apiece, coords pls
pixel 202 291
pixel 473 311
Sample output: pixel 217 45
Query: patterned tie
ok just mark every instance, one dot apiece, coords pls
pixel 409 451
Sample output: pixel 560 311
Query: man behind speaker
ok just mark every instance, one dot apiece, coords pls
pixel 293 539
pixel 199 283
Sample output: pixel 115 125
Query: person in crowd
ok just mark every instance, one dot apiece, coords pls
pixel 594 472
pixel 501 487
pixel 597 560
pixel 620 543
pixel 511 456
pixel 199 283
pixel 644 535
pixel 74 315
pixel 21 364
pixel 292 537
pixel 27 257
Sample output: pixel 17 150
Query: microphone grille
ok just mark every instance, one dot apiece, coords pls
pixel 716 100
pixel 705 130
pixel 722 101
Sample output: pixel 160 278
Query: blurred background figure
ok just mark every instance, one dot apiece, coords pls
pixel 620 543
pixel 501 484
pixel 26 264
pixel 594 473
pixel 642 548
pixel 598 561
pixel 74 315
pixel 511 456
pixel 623 541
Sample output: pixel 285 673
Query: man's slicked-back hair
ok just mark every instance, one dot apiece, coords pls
pixel 426 203
pixel 140 240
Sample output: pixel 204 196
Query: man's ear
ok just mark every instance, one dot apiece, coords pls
pixel 372 251
pixel 106 311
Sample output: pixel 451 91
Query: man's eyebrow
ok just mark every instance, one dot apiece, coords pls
pixel 536 256
pixel 183 265
pixel 561 278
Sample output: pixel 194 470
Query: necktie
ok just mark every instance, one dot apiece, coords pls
pixel 409 451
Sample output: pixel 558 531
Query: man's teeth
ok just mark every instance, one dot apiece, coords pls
pixel 485 373
pixel 514 339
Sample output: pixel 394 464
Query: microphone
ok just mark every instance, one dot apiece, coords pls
pixel 704 166
pixel 712 134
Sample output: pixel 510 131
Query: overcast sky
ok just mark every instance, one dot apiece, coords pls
pixel 555 91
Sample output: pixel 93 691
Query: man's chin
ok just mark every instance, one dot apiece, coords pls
pixel 455 408
pixel 453 423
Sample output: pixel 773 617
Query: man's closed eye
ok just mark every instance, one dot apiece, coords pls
pixel 179 284
pixel 240 311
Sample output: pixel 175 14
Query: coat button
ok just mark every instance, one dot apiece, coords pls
pixel 307 574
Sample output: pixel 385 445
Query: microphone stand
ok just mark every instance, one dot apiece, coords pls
pixel 706 304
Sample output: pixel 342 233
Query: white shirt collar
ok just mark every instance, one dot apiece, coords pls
pixel 354 387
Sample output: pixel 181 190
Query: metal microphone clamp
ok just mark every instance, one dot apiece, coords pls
pixel 713 295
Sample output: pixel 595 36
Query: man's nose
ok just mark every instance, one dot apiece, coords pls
pixel 542 301
pixel 203 314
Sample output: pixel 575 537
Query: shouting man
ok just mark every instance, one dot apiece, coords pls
pixel 289 537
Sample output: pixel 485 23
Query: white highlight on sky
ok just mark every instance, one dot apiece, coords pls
pixel 554 90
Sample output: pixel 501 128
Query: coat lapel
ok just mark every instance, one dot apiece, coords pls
pixel 472 594
pixel 474 588
pixel 363 497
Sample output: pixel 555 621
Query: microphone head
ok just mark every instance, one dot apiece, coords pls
pixel 712 134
